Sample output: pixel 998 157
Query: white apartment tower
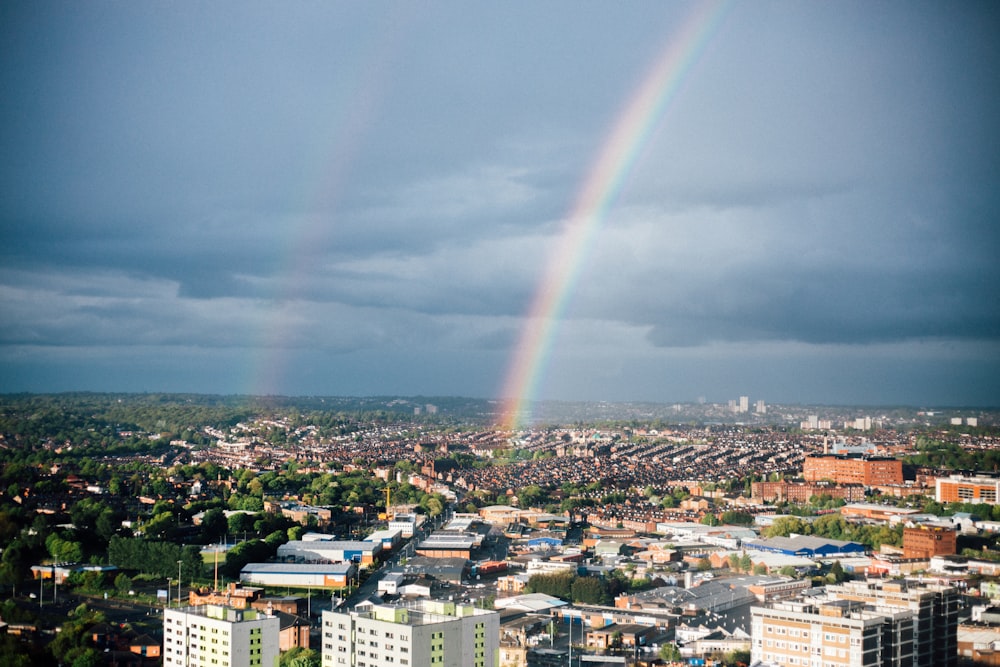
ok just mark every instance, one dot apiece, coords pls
pixel 422 633
pixel 744 403
pixel 217 636
pixel 861 624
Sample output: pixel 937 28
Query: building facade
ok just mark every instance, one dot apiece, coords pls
pixel 801 493
pixel 936 607
pixel 361 553
pixel 861 624
pixel 959 489
pixel 831 634
pixel 300 575
pixel 421 633
pixel 868 471
pixel 217 636
pixel 928 541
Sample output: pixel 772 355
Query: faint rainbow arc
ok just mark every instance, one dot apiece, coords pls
pixel 603 182
pixel 305 241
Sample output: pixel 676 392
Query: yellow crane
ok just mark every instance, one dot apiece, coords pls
pixel 388 503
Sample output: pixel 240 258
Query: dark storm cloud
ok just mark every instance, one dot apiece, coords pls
pixel 372 192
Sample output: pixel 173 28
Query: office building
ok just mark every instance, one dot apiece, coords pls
pixel 420 633
pixel 960 489
pixel 217 636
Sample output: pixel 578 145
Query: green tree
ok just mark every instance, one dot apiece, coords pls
pixel 670 653
pixel 556 584
pixel 786 525
pixel 587 590
pixel 531 496
pixel 746 563
pixel 123 584
pixel 299 657
pixel 434 506
pixel 734 561
pixel 735 518
pixel 214 524
pixel 736 657
pixel 240 523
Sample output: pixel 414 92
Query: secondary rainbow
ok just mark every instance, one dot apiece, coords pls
pixel 603 182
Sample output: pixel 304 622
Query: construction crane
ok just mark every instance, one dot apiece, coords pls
pixel 388 503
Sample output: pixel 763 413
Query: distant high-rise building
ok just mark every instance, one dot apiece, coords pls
pixel 217 636
pixel 860 424
pixel 412 634
pixel 760 408
pixel 744 404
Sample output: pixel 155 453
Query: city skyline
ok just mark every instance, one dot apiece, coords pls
pixel 586 203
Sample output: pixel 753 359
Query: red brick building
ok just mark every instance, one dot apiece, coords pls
pixel 800 493
pixel 868 471
pixel 927 541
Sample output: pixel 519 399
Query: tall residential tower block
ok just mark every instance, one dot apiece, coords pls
pixel 421 633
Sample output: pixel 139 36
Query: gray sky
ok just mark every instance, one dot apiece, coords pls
pixel 361 198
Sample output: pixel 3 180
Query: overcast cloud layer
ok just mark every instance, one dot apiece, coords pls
pixel 360 198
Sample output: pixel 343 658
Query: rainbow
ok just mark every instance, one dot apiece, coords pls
pixel 313 226
pixel 604 180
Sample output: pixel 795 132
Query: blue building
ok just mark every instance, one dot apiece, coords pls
pixel 807 546
pixel 544 543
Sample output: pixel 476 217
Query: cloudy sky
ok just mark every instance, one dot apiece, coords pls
pixel 350 198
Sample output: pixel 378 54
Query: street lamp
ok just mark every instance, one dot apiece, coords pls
pixel 179 583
